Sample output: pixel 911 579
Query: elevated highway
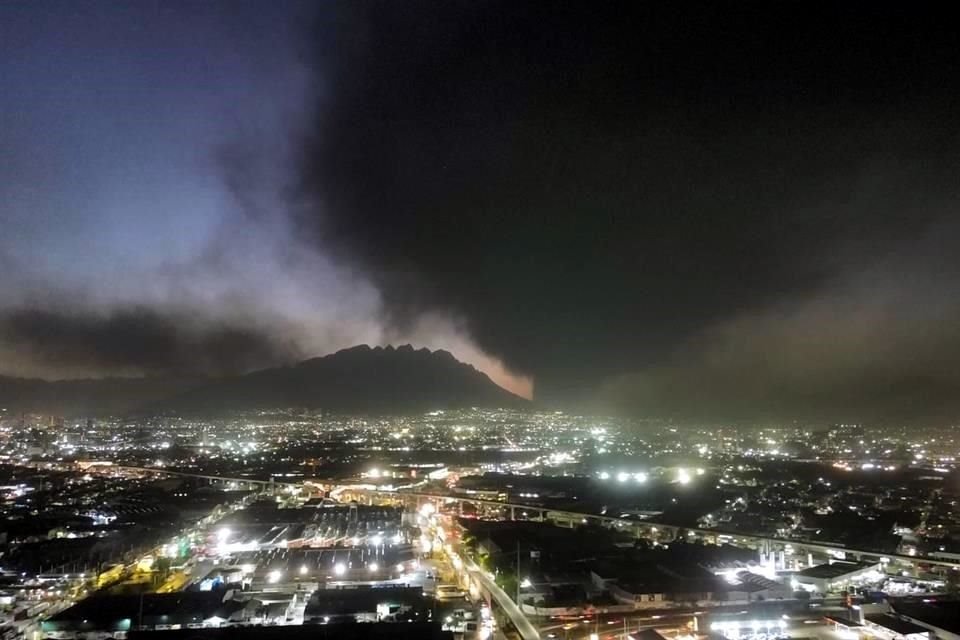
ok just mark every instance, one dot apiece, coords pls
pixel 647 528
pixel 641 528
pixel 253 482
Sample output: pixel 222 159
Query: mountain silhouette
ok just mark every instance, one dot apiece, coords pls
pixel 360 379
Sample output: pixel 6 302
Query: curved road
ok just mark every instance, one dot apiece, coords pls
pixel 527 630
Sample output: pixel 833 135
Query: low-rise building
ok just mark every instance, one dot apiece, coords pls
pixel 940 615
pixel 655 586
pixel 114 616
pixel 891 627
pixel 835 576
pixel 391 604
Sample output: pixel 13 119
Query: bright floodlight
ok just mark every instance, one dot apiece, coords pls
pixel 640 477
pixel 339 569
pixel 425 544
pixel 700 471
pixel 356 541
pixel 525 583
pixel 604 475
pixel 427 509
pixel 400 567
pixel 374 473
pixel 373 566
pixel 397 539
pixel 303 570
pixel 377 540
pixel 223 534
pixel 274 576
pixel 623 476
pixel 683 477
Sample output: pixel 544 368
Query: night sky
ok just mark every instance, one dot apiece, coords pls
pixel 743 211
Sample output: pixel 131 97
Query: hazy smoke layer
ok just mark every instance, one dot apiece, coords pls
pixel 642 208
pixel 146 196
pixel 628 187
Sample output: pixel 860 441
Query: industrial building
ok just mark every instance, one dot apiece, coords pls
pixel 835 576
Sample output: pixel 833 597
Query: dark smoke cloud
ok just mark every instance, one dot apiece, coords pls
pixel 604 189
pixel 140 341
pixel 879 346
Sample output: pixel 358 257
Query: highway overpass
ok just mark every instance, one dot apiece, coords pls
pixel 641 528
pixel 646 528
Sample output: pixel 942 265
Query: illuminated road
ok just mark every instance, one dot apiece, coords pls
pixel 527 630
pixel 737 538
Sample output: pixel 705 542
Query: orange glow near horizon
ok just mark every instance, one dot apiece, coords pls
pixel 519 384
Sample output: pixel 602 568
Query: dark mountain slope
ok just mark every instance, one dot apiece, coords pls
pixel 359 379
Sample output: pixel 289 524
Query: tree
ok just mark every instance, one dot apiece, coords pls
pixel 161 567
pixel 953 582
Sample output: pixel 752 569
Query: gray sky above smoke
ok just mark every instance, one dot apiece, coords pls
pixel 145 198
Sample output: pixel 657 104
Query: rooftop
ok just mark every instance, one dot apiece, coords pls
pixel 895 624
pixel 371 631
pixel 101 611
pixel 834 570
pixel 346 601
pixel 942 613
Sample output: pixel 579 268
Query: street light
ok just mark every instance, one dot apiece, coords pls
pixel 339 569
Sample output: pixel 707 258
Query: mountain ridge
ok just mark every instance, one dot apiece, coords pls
pixel 360 379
